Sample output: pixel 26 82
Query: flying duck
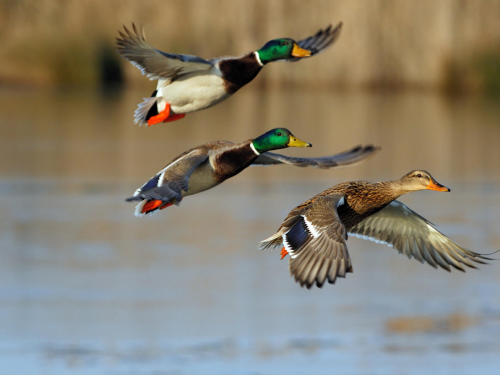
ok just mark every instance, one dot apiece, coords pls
pixel 206 166
pixel 315 233
pixel 189 83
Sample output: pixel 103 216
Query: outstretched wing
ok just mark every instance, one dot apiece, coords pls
pixel 154 63
pixel 409 233
pixel 349 158
pixel 320 41
pixel 168 184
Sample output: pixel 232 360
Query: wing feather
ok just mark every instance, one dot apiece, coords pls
pixel 324 254
pixel 154 63
pixel 320 41
pixel 349 158
pixel 412 235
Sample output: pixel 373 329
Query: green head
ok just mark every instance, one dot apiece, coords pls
pixel 281 49
pixel 276 139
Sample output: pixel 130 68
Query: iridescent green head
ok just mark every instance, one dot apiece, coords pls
pixel 281 49
pixel 276 139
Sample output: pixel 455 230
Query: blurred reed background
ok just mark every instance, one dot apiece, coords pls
pixel 451 45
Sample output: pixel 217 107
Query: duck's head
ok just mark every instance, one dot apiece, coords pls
pixel 420 180
pixel 276 139
pixel 281 49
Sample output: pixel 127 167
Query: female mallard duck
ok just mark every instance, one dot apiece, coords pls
pixel 189 83
pixel 315 233
pixel 208 165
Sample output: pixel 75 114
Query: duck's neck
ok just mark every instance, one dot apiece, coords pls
pixel 257 57
pixel 239 71
pixel 263 144
pixel 254 149
pixel 397 188
pixel 380 194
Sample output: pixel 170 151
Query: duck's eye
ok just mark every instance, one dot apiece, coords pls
pixel 284 43
pixel 419 175
pixel 279 134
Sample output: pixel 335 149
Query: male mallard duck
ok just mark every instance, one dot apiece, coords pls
pixel 208 165
pixel 315 233
pixel 189 83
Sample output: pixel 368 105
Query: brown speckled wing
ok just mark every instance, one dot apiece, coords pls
pixel 294 215
pixel 154 63
pixel 409 233
pixel 320 41
pixel 316 243
pixel 349 158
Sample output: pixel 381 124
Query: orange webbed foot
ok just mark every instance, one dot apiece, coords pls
pixel 160 117
pixel 169 204
pixel 166 205
pixel 155 204
pixel 284 253
pixel 151 205
pixel 174 117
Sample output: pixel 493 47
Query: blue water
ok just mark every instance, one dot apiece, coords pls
pixel 87 288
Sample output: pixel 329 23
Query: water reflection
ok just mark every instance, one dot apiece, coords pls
pixel 88 288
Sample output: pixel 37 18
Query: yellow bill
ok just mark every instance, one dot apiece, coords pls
pixel 300 52
pixel 295 142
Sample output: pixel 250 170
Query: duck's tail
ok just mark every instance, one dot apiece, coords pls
pixel 275 240
pixel 157 194
pixel 146 109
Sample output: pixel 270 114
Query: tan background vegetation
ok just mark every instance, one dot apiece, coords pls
pixel 445 44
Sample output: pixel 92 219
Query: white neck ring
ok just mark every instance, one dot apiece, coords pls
pixel 253 149
pixel 258 58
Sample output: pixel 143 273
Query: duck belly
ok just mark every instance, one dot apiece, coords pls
pixel 201 179
pixel 192 92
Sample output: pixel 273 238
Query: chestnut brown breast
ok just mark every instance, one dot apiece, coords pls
pixel 238 72
pixel 232 162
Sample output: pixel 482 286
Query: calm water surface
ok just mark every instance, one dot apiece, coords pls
pixel 87 288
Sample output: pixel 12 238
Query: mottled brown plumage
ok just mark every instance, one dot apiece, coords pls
pixel 314 233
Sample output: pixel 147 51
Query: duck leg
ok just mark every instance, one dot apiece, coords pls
pixel 169 204
pixel 174 117
pixel 165 116
pixel 284 253
pixel 151 206
pixel 154 205
pixel 160 117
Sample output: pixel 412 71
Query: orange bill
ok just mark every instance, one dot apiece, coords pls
pixel 434 185
pixel 300 52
